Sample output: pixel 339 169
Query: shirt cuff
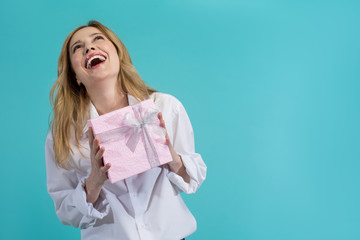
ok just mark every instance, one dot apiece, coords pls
pixel 90 212
pixel 179 182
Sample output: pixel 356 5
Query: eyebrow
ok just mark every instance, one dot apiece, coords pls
pixel 93 34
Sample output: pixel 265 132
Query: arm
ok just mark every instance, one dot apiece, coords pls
pixel 177 165
pixel 98 175
pixel 187 170
pixel 68 193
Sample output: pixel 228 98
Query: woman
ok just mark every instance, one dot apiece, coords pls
pixel 96 76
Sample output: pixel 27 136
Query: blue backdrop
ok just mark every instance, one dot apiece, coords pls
pixel 271 87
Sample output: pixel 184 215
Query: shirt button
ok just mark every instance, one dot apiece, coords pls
pixel 135 195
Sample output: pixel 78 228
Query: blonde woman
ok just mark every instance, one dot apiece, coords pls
pixel 96 76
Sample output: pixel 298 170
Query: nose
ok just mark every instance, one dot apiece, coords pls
pixel 87 50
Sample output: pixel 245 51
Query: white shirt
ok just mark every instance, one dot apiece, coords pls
pixel 145 206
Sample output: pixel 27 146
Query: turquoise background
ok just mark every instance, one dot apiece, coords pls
pixel 271 87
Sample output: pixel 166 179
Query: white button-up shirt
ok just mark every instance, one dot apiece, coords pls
pixel 145 206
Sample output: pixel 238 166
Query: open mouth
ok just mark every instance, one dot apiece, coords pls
pixel 94 60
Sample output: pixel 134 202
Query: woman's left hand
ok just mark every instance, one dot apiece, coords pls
pixel 176 165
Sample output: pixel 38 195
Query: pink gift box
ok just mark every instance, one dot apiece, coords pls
pixel 133 139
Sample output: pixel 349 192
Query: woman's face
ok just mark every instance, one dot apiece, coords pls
pixel 93 57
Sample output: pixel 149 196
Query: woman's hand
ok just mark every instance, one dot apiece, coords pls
pixel 98 174
pixel 176 166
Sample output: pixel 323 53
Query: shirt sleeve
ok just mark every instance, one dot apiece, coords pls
pixel 68 194
pixel 184 145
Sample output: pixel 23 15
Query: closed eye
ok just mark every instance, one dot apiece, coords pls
pixel 98 37
pixel 76 47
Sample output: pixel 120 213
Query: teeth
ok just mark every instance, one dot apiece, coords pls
pixel 102 58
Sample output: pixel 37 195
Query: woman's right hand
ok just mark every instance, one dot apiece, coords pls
pixel 98 174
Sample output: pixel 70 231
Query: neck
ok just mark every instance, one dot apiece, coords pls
pixel 108 98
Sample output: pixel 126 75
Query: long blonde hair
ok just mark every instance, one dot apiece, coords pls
pixel 70 102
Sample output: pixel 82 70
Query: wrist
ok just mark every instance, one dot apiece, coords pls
pixel 176 163
pixel 178 167
pixel 92 190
